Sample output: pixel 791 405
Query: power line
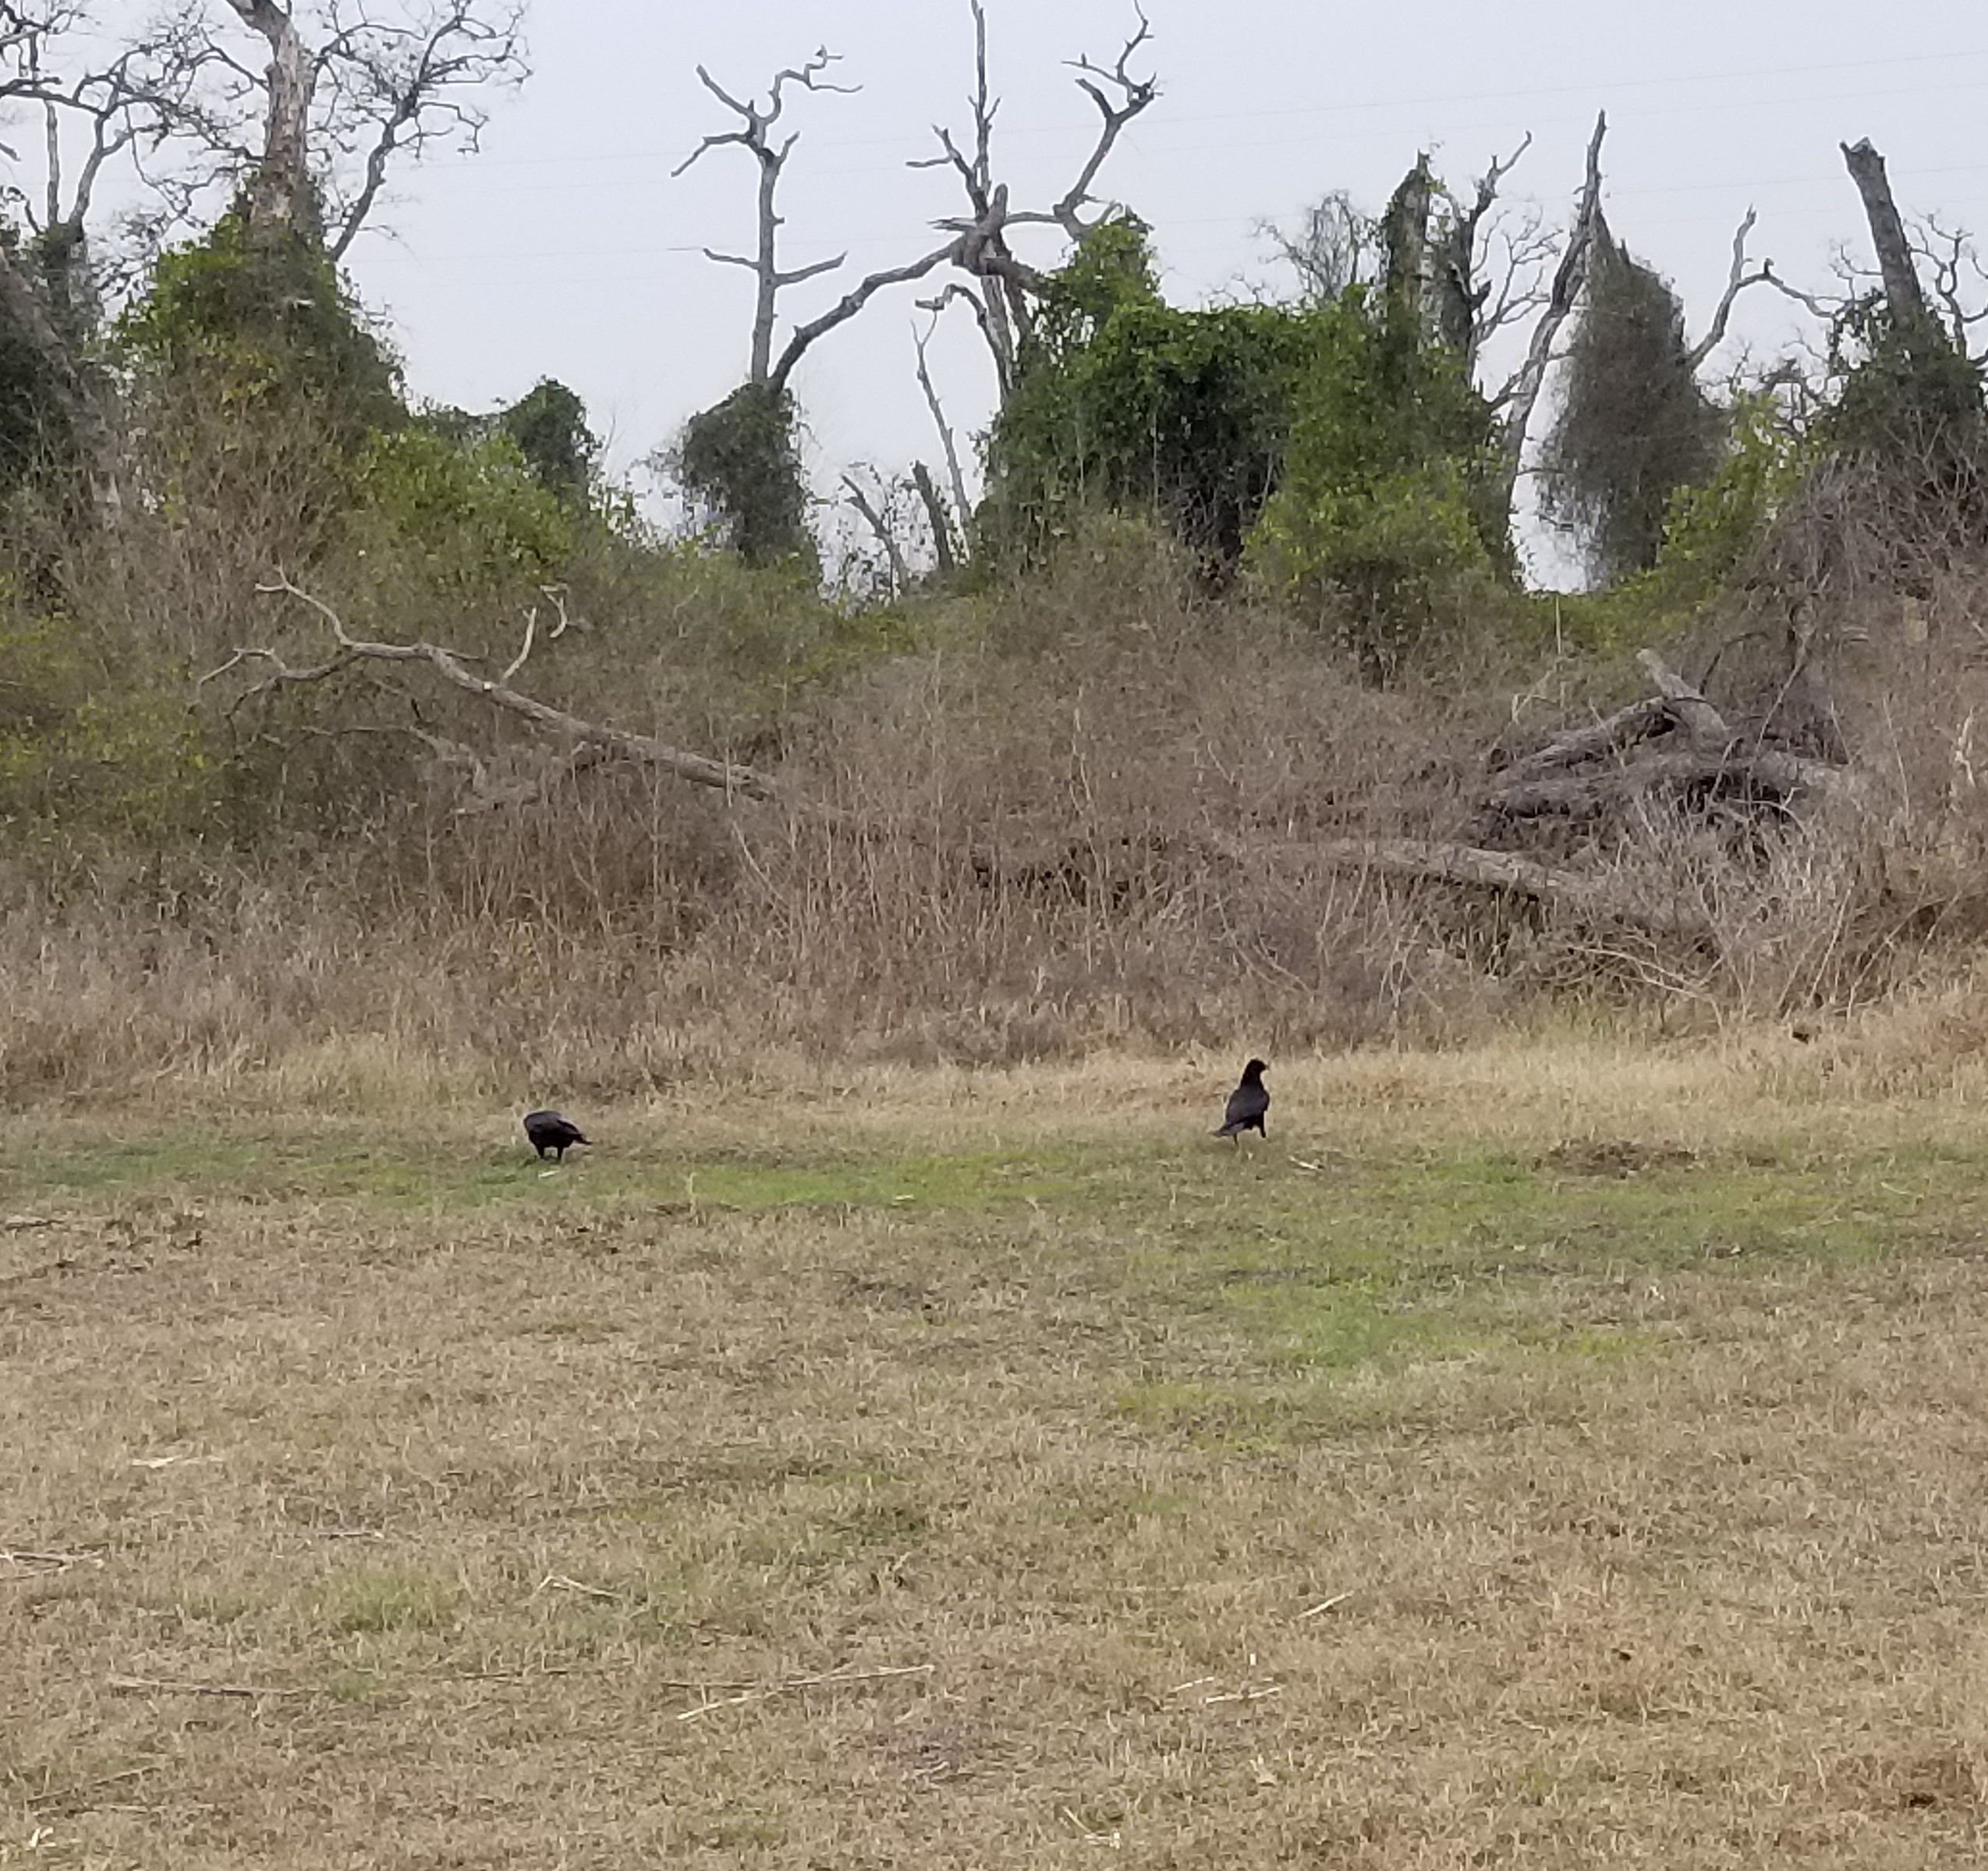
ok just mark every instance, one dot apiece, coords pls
pixel 1589 88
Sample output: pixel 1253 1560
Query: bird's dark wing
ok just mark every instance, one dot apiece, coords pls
pixel 1246 1104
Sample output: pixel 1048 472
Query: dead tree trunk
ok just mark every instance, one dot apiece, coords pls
pixel 281 199
pixel 24 305
pixel 1902 291
pixel 935 511
pixel 1404 236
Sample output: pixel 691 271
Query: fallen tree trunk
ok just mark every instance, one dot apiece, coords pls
pixel 1623 728
pixel 1767 775
pixel 1591 899
pixel 1714 757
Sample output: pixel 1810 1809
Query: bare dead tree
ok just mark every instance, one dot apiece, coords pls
pixel 998 307
pixel 1000 295
pixel 1334 246
pixel 1519 398
pixel 372 88
pixel 755 135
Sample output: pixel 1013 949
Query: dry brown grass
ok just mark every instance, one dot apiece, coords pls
pixel 1457 1499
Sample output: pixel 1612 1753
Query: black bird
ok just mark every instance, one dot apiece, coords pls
pixel 1247 1105
pixel 548 1131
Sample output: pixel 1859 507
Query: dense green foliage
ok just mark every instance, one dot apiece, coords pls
pixel 547 426
pixel 36 424
pixel 1386 508
pixel 1330 447
pixel 1126 402
pixel 266 323
pixel 1910 400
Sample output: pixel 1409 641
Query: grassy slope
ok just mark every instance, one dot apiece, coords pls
pixel 1644 1507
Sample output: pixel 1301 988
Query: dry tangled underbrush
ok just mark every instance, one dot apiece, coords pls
pixel 1101 809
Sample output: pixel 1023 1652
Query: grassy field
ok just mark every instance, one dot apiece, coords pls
pixel 1531 1455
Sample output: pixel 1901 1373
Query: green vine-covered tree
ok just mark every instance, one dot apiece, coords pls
pixel 263 318
pixel 740 462
pixel 1634 426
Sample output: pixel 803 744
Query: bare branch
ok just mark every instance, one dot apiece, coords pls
pixel 1523 394
pixel 811 271
pixel 1737 282
pixel 647 750
pixel 1824 309
pixel 1134 95
pixel 846 308
pixel 983 315
pixel 893 552
pixel 953 471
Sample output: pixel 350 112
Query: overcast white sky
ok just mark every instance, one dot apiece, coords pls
pixel 565 249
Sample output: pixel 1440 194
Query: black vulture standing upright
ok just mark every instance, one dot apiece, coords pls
pixel 1247 1105
pixel 548 1131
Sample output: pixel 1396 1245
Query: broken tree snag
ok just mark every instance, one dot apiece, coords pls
pixel 1705 725
pixel 643 750
pixel 1902 291
pixel 941 521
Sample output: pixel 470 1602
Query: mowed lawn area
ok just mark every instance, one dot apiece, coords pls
pixel 1531 1456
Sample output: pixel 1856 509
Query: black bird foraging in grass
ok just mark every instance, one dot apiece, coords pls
pixel 1247 1105
pixel 548 1131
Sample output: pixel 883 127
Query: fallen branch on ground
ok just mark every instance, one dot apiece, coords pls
pixel 156 1685
pixel 787 1685
pixel 644 750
